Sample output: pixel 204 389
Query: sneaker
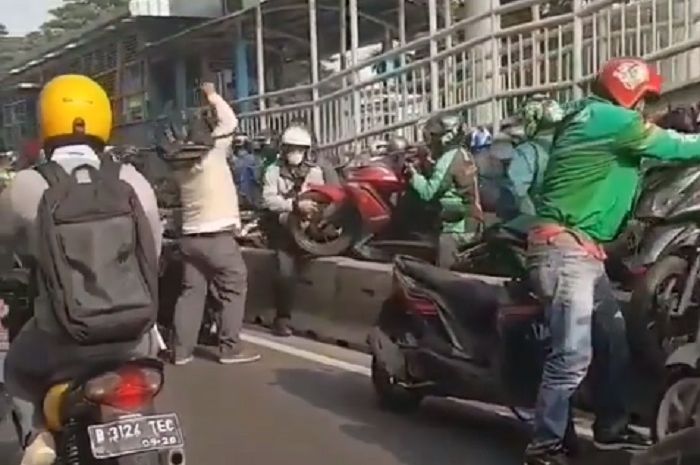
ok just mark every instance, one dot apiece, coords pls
pixel 555 455
pixel 41 451
pixel 281 327
pixel 183 361
pixel 237 357
pixel 626 440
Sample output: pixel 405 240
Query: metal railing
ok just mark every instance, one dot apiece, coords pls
pixel 487 76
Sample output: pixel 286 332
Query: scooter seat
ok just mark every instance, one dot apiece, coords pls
pixel 515 230
pixel 509 235
pixel 474 302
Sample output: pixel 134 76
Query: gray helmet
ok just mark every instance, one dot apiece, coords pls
pixel 397 144
pixel 447 127
pixel 265 140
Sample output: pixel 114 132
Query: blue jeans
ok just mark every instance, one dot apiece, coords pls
pixel 587 329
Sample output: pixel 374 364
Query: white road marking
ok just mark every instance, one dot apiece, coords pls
pixel 305 354
pixel 583 425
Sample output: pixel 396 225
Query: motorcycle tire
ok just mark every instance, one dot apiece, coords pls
pixel 675 376
pixel 337 246
pixel 645 341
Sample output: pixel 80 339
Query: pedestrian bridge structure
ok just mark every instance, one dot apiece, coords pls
pixel 357 70
pixel 482 57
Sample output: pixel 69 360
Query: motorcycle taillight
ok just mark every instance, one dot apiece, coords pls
pixel 127 389
pixel 421 306
pixel 414 303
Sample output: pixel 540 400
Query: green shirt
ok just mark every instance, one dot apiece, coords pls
pixel 593 173
pixel 440 186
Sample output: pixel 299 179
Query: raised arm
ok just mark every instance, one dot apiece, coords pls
pixel 227 123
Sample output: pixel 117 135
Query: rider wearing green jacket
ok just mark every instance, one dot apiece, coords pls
pixel 452 184
pixel 531 153
pixel 586 196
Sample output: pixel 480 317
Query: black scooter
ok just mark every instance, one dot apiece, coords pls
pixel 664 305
pixel 442 334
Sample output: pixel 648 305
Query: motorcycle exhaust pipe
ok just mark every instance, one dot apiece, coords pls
pixel 176 457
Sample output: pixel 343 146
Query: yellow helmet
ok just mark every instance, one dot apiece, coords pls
pixel 74 107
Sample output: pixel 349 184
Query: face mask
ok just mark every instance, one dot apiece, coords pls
pixel 295 157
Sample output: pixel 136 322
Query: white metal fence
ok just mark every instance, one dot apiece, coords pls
pixel 488 75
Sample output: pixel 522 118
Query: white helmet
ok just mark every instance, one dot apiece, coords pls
pixel 296 135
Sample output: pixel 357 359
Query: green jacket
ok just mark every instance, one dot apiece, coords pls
pixel 593 172
pixel 268 159
pixel 526 172
pixel 453 184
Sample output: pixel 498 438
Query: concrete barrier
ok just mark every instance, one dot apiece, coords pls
pixel 338 298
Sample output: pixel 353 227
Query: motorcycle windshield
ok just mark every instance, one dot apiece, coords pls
pixel 668 190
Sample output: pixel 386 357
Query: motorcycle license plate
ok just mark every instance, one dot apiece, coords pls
pixel 133 435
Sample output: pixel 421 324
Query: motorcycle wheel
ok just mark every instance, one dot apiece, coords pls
pixel 653 331
pixel 310 236
pixel 679 406
pixel 392 396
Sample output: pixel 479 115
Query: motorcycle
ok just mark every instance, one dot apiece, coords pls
pixel 667 262
pixel 442 334
pixel 369 212
pixel 679 406
pixel 15 289
pixel 107 413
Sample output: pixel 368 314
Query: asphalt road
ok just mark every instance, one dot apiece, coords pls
pixel 306 403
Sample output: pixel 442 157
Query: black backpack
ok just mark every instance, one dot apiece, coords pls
pixel 96 254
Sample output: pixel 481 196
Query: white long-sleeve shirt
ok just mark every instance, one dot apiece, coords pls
pixel 207 191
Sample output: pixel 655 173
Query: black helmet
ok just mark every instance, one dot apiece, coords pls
pixel 448 127
pixel 182 134
pixel 397 144
pixel 265 138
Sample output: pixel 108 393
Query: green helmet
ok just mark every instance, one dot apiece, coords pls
pixel 447 127
pixel 539 110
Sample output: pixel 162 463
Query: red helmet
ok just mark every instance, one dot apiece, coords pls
pixel 626 81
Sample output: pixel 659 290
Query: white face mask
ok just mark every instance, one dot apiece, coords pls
pixel 295 157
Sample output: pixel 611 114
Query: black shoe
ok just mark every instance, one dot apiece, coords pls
pixel 281 327
pixel 238 356
pixel 626 440
pixel 551 456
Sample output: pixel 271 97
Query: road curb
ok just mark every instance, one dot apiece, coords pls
pixel 338 298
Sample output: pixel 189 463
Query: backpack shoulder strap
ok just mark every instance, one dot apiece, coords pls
pixel 52 172
pixel 109 167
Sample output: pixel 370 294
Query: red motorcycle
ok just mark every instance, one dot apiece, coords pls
pixel 370 212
